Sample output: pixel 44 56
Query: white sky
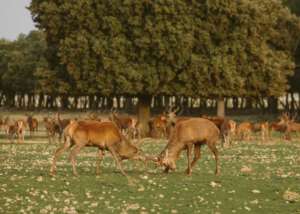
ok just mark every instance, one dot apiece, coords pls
pixel 14 18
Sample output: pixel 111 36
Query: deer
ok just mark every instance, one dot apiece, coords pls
pixel 52 128
pixel 226 126
pixel 32 124
pixel 263 128
pixel 125 123
pixel 94 116
pixel 186 134
pixel 62 124
pixel 173 118
pixel 287 125
pixel 244 130
pixel 228 130
pixel 103 135
pixel 16 129
pixel 158 126
pixel 218 121
pixel 4 123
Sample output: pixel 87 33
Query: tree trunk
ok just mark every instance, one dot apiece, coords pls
pixel 293 103
pixel 143 113
pixel 64 102
pixel 273 105
pixel 221 107
pixel 249 103
pixel 110 103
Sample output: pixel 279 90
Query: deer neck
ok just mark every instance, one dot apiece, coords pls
pixel 174 150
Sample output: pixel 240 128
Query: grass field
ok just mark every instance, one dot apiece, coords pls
pixel 26 187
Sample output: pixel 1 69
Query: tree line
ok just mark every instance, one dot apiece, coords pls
pixel 198 54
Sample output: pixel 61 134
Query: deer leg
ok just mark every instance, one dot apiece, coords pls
pixel 72 157
pixel 59 136
pixel 189 156
pixel 112 151
pixel 197 154
pixel 57 153
pixel 99 160
pixel 267 135
pixel 22 137
pixel 10 138
pixel 49 137
pixel 166 170
pixel 213 148
pixel 263 136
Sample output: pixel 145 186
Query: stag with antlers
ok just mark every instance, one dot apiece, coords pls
pixel 32 124
pixel 126 124
pixel 189 134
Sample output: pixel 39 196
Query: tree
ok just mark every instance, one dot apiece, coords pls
pixel 193 48
pixel 19 62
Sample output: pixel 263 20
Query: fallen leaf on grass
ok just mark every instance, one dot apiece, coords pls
pixel 246 169
pixel 291 196
pixel 255 191
pixel 214 184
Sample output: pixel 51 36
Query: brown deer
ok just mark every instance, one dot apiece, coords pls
pixel 186 134
pixel 16 129
pixel 62 124
pixel 228 130
pixel 32 124
pixel 103 135
pixel 225 125
pixel 158 126
pixel 5 122
pixel 218 121
pixel 244 130
pixel 288 125
pixel 173 118
pixel 126 124
pixel 52 128
pixel 94 116
pixel 263 128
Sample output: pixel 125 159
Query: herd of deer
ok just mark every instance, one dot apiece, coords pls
pixel 115 134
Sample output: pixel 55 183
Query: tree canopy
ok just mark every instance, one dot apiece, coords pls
pixel 20 61
pixel 178 47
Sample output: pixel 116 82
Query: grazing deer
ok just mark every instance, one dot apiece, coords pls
pixel 103 135
pixel 32 124
pixel 244 130
pixel 287 125
pixel 186 134
pixel 16 129
pixel 263 128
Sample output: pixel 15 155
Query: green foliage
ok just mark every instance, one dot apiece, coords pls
pixel 294 5
pixel 19 60
pixel 176 47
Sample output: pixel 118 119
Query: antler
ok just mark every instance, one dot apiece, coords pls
pixel 294 117
pixel 113 110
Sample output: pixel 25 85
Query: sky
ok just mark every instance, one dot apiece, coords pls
pixel 14 18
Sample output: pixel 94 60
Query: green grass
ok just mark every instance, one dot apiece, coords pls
pixel 26 187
